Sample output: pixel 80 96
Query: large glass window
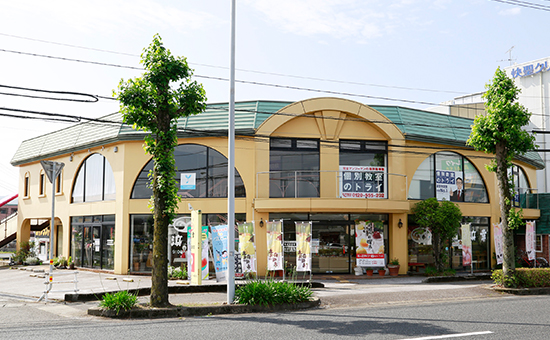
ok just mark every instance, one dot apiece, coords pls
pixel 141 240
pixel 421 247
pixel 333 239
pixel 93 241
pixel 208 166
pixel 294 167
pixel 448 176
pixel 95 181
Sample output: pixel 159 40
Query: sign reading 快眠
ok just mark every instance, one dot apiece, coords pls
pixel 362 181
pixel 529 70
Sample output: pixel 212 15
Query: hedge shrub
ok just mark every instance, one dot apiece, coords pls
pixel 524 278
pixel 270 292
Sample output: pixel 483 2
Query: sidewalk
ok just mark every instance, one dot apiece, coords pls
pixel 27 283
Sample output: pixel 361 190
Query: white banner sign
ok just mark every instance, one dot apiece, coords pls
pixel 530 232
pixel 497 229
pixel 466 245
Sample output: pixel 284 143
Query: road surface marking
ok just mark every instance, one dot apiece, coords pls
pixel 449 336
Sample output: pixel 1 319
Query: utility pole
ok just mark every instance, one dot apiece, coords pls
pixel 231 168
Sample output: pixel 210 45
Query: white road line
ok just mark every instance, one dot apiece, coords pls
pixel 449 336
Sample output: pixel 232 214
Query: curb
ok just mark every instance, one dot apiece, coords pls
pixel 178 311
pixel 436 279
pixel 185 289
pixel 523 291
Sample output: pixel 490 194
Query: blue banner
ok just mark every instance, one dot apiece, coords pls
pixel 219 247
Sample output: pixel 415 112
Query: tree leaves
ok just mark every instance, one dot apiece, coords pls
pixel 501 132
pixel 149 103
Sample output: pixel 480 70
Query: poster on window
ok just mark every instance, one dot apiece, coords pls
pixel 369 240
pixel 499 250
pixel 530 234
pixel 450 185
pixel 362 181
pixel 219 251
pixel 247 247
pixel 274 238
pixel 303 246
pixel 466 245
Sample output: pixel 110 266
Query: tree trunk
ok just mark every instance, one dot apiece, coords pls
pixel 437 252
pixel 159 275
pixel 505 200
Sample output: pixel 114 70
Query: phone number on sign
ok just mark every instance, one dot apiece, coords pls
pixel 364 194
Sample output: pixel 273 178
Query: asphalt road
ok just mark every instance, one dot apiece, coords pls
pixel 503 317
pixel 397 308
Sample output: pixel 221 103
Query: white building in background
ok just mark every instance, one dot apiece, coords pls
pixel 533 79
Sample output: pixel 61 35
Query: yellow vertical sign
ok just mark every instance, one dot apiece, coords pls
pixel 196 247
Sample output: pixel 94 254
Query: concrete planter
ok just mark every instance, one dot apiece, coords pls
pixel 178 311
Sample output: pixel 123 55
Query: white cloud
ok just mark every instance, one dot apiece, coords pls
pixel 337 18
pixel 510 11
pixel 106 15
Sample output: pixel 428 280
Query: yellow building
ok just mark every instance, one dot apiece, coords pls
pixel 327 160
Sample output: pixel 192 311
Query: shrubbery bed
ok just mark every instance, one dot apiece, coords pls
pixel 524 278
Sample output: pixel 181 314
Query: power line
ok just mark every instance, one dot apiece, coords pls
pixel 255 83
pixel 93 100
pixel 245 70
pixel 239 81
pixel 525 4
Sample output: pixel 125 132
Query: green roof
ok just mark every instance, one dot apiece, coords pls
pixel 427 126
pixel 418 125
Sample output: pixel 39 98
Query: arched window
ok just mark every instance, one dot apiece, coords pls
pixel 522 190
pixel 94 181
pixel 26 185
pixel 42 184
pixel 207 166
pixel 448 176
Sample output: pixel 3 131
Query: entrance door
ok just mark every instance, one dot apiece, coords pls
pixel 332 254
pixel 96 253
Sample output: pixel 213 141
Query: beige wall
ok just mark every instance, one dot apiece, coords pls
pixel 327 119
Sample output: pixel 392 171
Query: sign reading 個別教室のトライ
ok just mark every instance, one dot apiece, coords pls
pixel 362 181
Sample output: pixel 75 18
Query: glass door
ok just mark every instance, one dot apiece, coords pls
pixel 96 252
pixel 331 245
pixel 88 247
pixel 108 245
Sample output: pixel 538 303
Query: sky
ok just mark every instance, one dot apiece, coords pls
pixel 412 53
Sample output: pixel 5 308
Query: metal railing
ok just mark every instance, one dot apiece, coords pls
pixel 49 282
pixel 310 183
pixel 526 198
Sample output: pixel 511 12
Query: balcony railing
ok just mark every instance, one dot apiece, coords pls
pixel 526 199
pixel 323 184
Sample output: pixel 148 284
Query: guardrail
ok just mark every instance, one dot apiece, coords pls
pixel 49 282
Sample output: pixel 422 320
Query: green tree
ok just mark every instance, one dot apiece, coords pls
pixel 153 103
pixel 443 219
pixel 500 132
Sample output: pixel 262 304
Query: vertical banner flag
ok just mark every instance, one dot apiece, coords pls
pixel 204 257
pixel 303 246
pixel 499 250
pixel 530 239
pixel 247 247
pixel 194 239
pixel 369 240
pixel 466 245
pixel 219 250
pixel 274 245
